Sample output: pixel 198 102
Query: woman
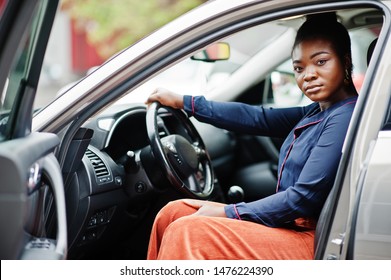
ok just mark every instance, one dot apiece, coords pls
pixel 280 226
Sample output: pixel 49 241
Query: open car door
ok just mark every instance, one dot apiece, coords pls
pixel 30 173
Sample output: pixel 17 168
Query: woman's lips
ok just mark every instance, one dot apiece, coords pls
pixel 312 88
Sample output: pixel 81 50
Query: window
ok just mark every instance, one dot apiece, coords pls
pixel 16 77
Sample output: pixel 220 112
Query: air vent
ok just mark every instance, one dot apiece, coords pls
pixel 102 173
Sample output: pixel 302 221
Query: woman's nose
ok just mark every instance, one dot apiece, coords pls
pixel 309 74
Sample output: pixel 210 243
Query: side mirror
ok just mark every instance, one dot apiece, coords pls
pixel 215 52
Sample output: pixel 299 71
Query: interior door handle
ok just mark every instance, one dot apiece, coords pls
pixel 42 248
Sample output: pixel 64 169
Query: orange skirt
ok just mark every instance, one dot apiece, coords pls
pixel 178 235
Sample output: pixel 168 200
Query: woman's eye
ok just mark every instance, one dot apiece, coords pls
pixel 297 69
pixel 322 62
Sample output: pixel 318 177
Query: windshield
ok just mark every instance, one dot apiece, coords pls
pixel 188 76
pixel 201 78
pixel 198 77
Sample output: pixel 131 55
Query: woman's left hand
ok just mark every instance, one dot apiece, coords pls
pixel 207 208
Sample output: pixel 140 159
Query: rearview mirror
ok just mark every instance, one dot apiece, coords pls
pixel 215 52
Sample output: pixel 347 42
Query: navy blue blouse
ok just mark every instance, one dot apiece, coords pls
pixel 309 156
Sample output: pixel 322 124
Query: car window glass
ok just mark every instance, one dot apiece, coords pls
pixel 387 119
pixel 361 39
pixel 285 91
pixel 15 78
pixel 3 4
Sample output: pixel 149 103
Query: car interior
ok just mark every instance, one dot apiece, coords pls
pixel 128 160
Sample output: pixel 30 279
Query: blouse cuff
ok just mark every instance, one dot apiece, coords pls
pixel 231 211
pixel 188 104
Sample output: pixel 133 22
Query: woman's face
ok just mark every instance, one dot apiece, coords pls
pixel 318 71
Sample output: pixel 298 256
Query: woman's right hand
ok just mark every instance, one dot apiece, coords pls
pixel 206 208
pixel 166 98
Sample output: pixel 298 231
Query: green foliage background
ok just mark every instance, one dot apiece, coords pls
pixel 112 25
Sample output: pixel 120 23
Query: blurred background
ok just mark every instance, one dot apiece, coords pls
pixel 88 32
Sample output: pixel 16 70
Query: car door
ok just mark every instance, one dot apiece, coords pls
pixel 30 173
pixel 370 234
pixel 356 220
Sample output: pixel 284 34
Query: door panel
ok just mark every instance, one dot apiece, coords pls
pixel 29 168
pixel 372 231
pixel 23 163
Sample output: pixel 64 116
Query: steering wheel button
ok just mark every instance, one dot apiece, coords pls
pixel 140 187
pixel 92 221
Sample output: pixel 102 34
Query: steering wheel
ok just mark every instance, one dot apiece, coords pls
pixel 183 159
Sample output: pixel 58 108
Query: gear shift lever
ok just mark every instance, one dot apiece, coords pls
pixel 235 194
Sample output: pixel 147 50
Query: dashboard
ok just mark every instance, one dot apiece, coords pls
pixel 113 184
